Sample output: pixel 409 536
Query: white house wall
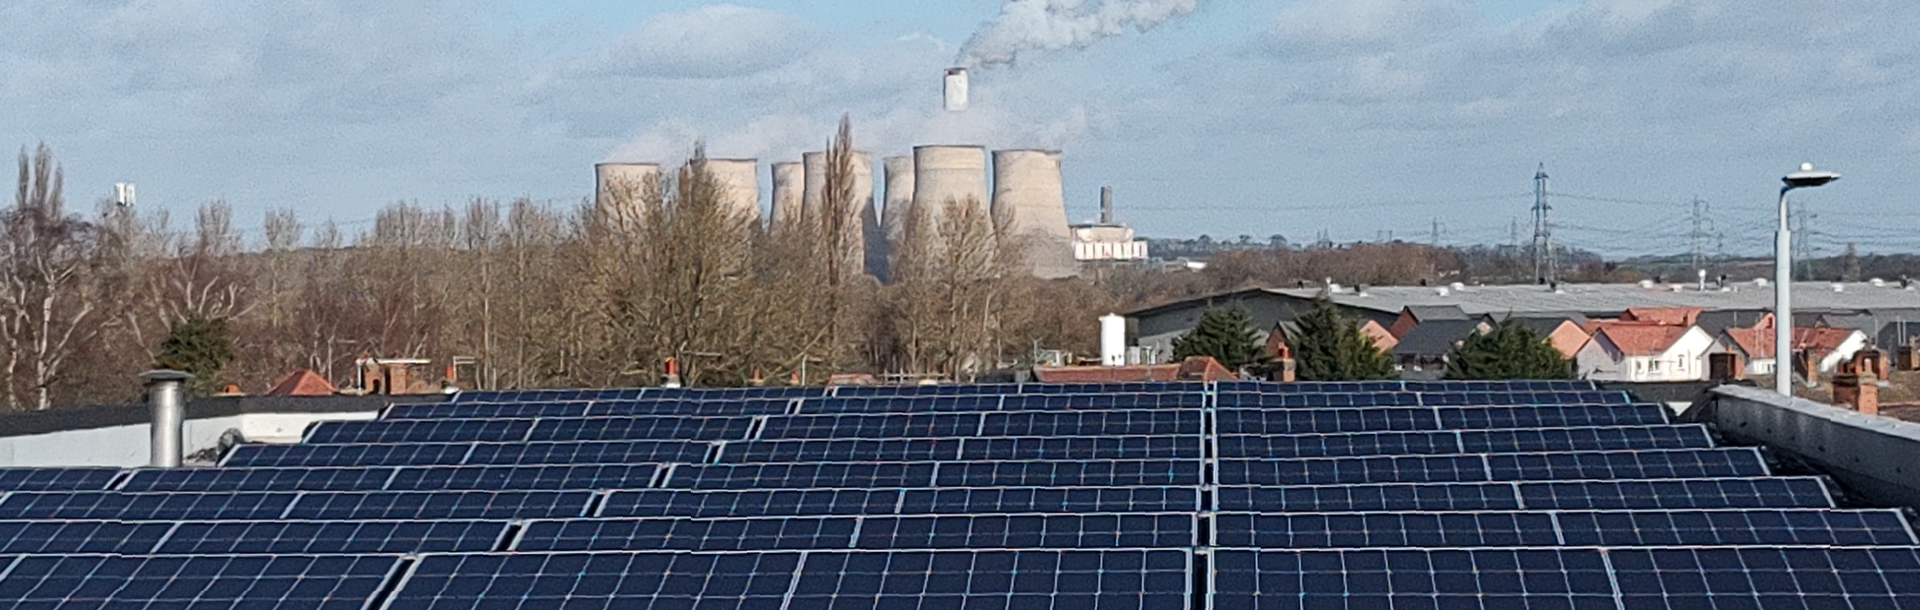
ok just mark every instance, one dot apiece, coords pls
pixel 127 446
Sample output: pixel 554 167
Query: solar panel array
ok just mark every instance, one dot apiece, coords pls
pixel 1097 496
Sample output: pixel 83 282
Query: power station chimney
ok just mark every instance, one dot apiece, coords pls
pixel 789 184
pixel 169 411
pixel 956 90
pixel 1106 205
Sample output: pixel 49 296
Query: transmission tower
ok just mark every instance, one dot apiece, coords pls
pixel 1544 263
pixel 1803 240
pixel 1436 233
pixel 1699 235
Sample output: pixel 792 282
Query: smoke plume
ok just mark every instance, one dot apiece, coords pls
pixel 1050 25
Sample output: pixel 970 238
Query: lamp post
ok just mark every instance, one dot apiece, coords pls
pixel 1807 177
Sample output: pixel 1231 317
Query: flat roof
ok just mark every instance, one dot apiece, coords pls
pixel 1528 299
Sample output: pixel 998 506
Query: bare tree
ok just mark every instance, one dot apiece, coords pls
pixel 50 304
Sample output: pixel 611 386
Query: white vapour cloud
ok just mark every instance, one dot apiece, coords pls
pixel 1049 25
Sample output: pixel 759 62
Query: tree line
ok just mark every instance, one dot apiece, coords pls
pixel 1327 345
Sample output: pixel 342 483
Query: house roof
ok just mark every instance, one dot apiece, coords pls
pixel 1758 342
pixel 1196 368
pixel 1670 316
pixel 1425 313
pixel 1593 299
pixel 1435 338
pixel 1641 339
pixel 302 383
pixel 1715 321
pixel 1547 326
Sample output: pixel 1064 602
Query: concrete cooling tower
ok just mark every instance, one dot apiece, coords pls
pixel 943 174
pixel 1028 197
pixel 899 200
pixel 815 164
pixel 739 183
pixel 620 187
pixel 789 184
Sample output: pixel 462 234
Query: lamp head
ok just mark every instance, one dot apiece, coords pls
pixel 1808 177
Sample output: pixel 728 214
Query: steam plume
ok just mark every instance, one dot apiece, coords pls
pixel 1050 25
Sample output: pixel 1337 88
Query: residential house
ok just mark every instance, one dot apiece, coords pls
pixel 1276 338
pixel 1423 352
pixel 1828 346
pixel 1564 333
pixel 1626 351
pixel 1413 316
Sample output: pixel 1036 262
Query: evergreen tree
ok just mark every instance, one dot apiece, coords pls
pixel 1507 351
pixel 1328 346
pixel 1227 335
pixel 201 346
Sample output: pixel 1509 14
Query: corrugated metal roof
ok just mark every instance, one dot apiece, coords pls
pixel 1611 299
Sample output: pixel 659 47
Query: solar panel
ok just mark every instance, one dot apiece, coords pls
pixel 1310 387
pixel 1325 421
pixel 963 449
pixel 641 428
pixel 666 534
pixel 488 410
pixel 932 425
pixel 145 506
pixel 1101 473
pixel 1081 531
pixel 1108 580
pixel 1456 398
pixel 1758 492
pixel 340 506
pixel 1004 402
pixel 1558 416
pixel 260 479
pixel 791 502
pixel 1093 423
pixel 332 537
pixel 66 537
pixel 1380 530
pixel 1772 527
pixel 1640 464
pixel 588 452
pixel 1585 439
pixel 1766 577
pixel 690 407
pixel 1408 578
pixel 1790 527
pixel 1386 497
pixel 72 582
pixel 1316 400
pixel 1370 469
pixel 419 431
pixel 56 479
pixel 829 450
pixel 369 454
pixel 802 476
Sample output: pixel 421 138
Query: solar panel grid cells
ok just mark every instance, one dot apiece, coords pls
pixel 1740 527
pixel 803 476
pixel 1325 421
pixel 588 452
pixel 1376 530
pixel 441 505
pixel 312 455
pixel 642 428
pixel 1572 579
pixel 785 502
pixel 56 479
pixel 1093 423
pixel 1649 464
pixel 1049 500
pixel 572 581
pixel 1585 439
pixel 1354 470
pixel 1771 492
pixel 825 450
pixel 419 431
pixel 930 425
pixel 1093 580
pixel 1555 416
pixel 1113 473
pixel 688 407
pixel 787 533
pixel 283 581
pixel 597 476
pixel 1082 448
pixel 1351 498
pixel 1339 445
pixel 1766 578
pixel 336 537
pixel 144 506
pixel 67 537
pixel 488 410
pixel 261 479
pixel 1091 531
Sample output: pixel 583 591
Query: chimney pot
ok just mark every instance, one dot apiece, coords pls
pixel 168 408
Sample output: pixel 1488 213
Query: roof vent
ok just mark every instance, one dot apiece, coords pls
pixel 1760 281
pixel 1442 290
pixel 1333 289
pixel 1458 286
pixel 1877 282
pixel 1677 287
pixel 1839 287
pixel 1648 284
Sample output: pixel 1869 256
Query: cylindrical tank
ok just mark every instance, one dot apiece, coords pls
pixel 955 89
pixel 948 174
pixel 789 184
pixel 899 199
pixel 739 183
pixel 1028 198
pixel 621 188
pixel 1113 340
pixel 815 164
pixel 168 409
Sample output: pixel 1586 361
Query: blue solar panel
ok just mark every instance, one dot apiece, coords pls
pixel 690 407
pixel 1310 387
pixel 781 503
pixel 56 479
pixel 667 534
pixel 1105 473
pixel 1771 527
pixel 1564 416
pixel 1011 423
pixel 588 452
pixel 1585 439
pixel 1317 401
pixel 332 537
pixel 422 478
pixel 66 537
pixel 145 506
pixel 1388 497
pixel 1108 580
pixel 73 582
pixel 803 476
pixel 441 505
pixel 319 455
pixel 874 426
pixel 1642 464
pixel 420 431
pixel 261 479
pixel 1381 530
pixel 964 449
pixel 1081 531
pixel 1008 402
pixel 685 503
pixel 1325 421
pixel 1491 578
pixel 1769 492
pixel 1434 529
pixel 487 410
pixel 642 428
pixel 1766 577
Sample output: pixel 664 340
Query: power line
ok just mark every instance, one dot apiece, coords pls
pixel 1544 263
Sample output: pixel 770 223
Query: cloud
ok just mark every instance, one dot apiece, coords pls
pixel 715 41
pixel 1028 26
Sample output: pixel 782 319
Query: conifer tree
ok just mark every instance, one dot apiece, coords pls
pixel 201 346
pixel 1328 346
pixel 1507 351
pixel 1227 335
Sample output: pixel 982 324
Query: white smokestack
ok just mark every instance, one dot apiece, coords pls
pixel 1051 25
pixel 1113 340
pixel 956 89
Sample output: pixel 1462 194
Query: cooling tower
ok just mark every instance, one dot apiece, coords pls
pixel 1028 197
pixel 943 174
pixel 620 188
pixel 739 183
pixel 789 184
pixel 899 199
pixel 815 164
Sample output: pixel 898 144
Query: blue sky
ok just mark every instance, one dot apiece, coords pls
pixel 1357 117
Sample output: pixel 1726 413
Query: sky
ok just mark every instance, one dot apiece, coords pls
pixel 1362 119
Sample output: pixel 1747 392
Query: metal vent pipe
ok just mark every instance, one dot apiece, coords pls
pixel 165 398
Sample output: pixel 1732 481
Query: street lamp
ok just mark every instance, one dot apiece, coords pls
pixel 1807 177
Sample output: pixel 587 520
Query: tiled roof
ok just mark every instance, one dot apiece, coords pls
pixel 1671 316
pixel 1758 342
pixel 302 383
pixel 1641 339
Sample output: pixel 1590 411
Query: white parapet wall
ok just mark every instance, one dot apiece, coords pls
pixel 119 436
